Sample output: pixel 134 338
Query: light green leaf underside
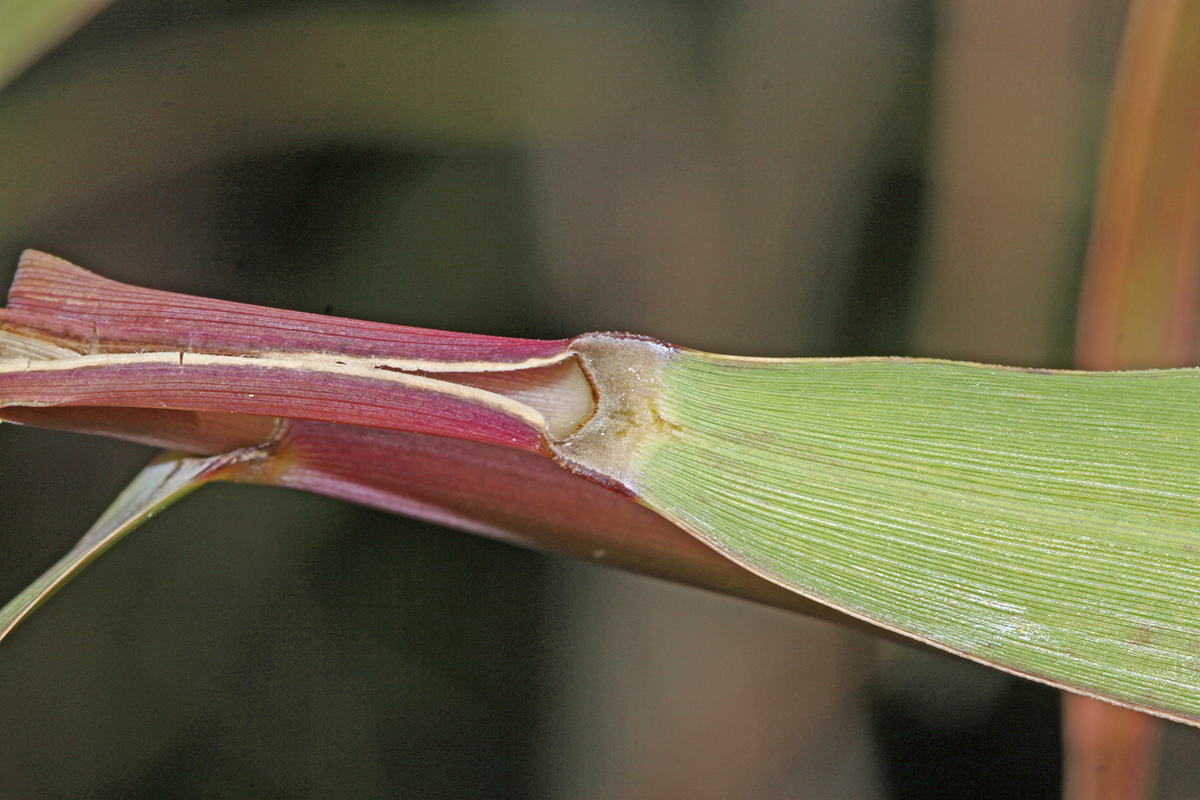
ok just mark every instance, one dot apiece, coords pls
pixel 163 481
pixel 1045 523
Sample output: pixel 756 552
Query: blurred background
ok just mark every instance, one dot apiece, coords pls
pixel 769 177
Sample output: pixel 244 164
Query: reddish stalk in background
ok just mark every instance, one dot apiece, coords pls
pixel 1140 307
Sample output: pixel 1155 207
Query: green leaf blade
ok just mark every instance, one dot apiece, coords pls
pixel 1044 523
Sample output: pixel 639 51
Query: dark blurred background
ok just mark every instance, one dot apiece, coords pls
pixel 784 177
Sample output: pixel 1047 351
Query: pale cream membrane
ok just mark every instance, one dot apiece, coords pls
pixel 628 420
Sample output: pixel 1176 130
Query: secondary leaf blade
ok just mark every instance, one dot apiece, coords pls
pixel 164 480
